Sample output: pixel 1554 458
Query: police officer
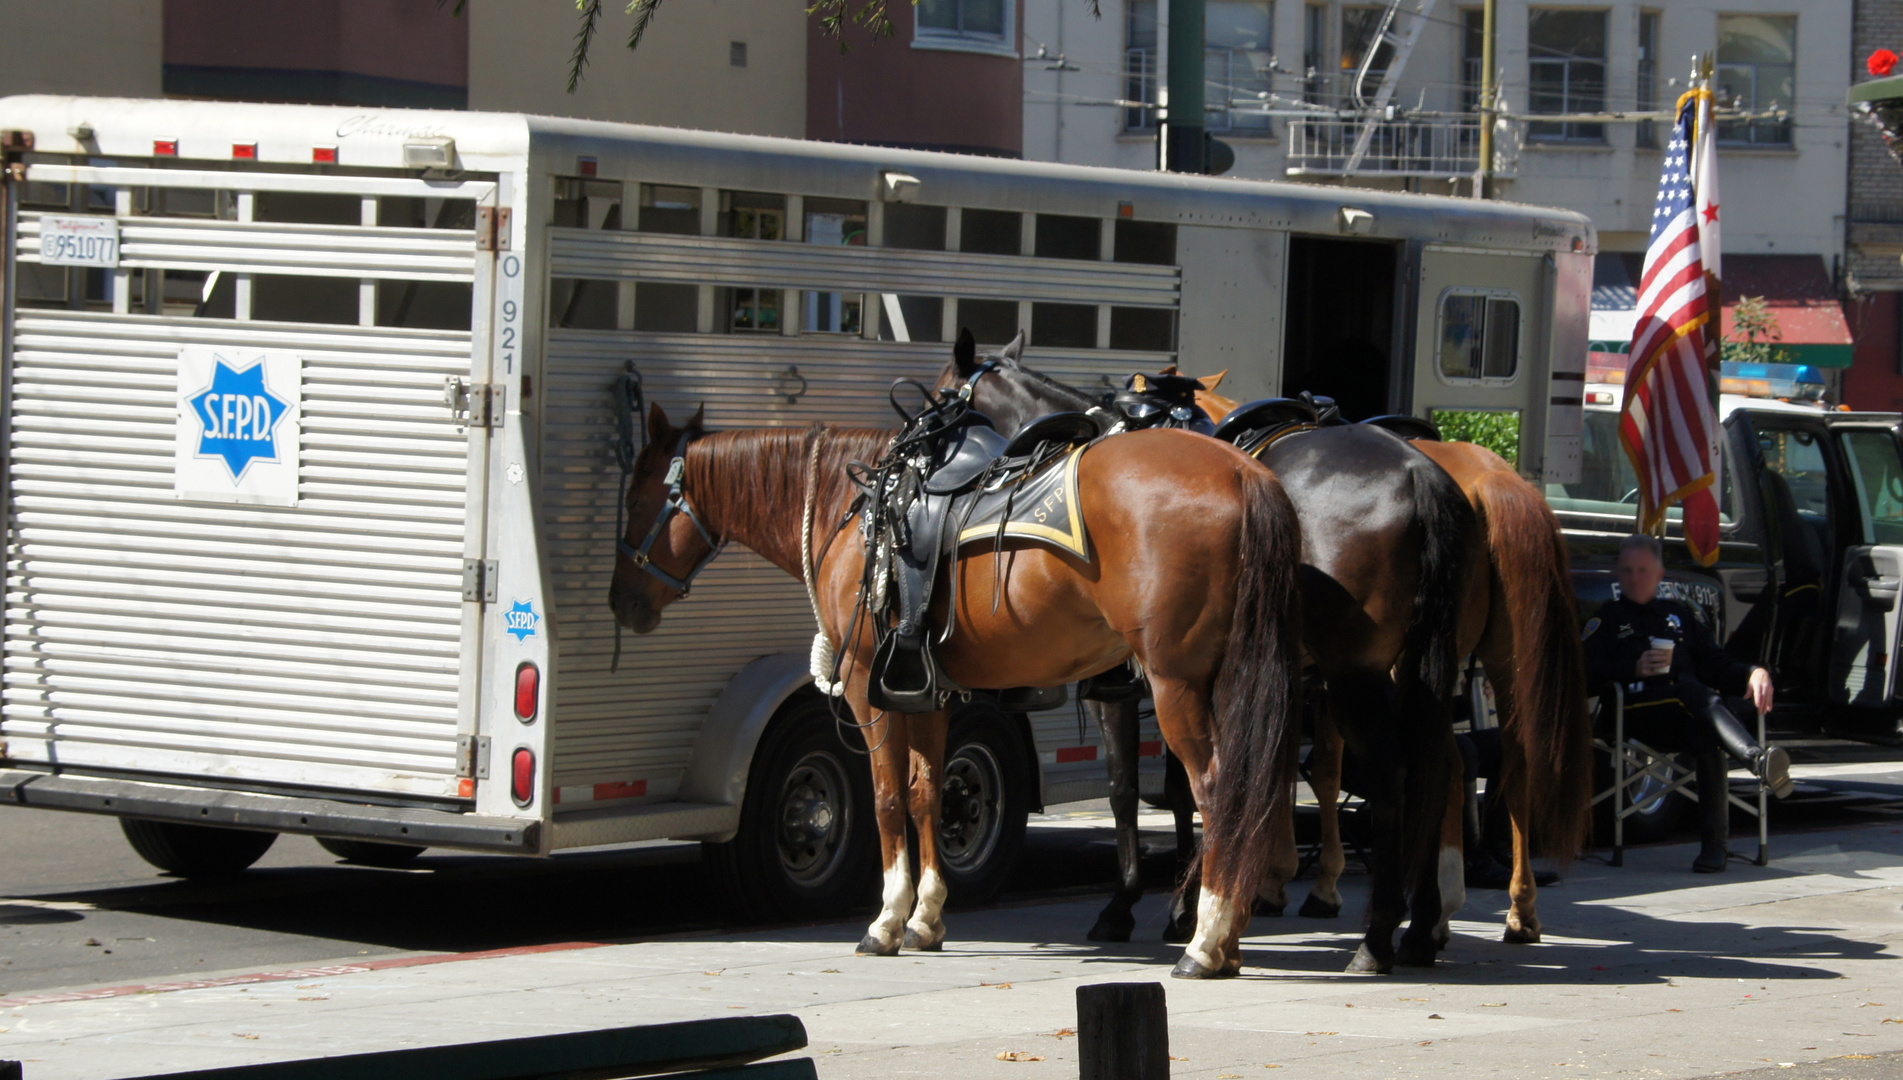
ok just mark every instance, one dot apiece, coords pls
pixel 1669 664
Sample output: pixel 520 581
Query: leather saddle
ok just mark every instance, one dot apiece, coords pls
pixel 1257 425
pixel 971 474
pixel 1151 401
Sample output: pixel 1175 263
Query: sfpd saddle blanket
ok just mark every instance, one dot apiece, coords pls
pixel 1041 507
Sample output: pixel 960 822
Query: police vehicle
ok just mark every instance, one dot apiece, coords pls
pixel 311 485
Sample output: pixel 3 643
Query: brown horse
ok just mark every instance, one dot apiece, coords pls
pixel 1391 559
pixel 1525 636
pixel 1194 548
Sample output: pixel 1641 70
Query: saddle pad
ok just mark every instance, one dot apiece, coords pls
pixel 1043 509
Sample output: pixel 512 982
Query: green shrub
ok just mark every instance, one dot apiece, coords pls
pixel 1496 429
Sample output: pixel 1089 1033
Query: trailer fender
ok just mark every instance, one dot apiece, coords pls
pixel 723 754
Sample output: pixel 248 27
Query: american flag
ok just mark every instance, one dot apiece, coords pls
pixel 1667 423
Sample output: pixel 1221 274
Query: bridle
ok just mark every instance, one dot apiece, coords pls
pixel 676 504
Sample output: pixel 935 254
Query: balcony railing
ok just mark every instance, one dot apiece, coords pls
pixel 1439 148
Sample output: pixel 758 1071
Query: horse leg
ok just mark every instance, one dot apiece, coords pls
pixel 1189 870
pixel 1369 697
pixel 1324 778
pixel 1118 722
pixel 926 928
pixel 1523 920
pixel 1184 714
pixel 1432 760
pixel 1453 860
pixel 886 742
pixel 1284 860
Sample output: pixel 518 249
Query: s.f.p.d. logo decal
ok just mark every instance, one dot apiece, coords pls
pixel 237 426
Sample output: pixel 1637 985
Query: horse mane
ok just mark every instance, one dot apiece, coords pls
pixel 753 483
pixel 1083 399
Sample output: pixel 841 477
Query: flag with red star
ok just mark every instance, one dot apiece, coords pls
pixel 1668 422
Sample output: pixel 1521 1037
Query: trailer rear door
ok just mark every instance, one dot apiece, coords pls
pixel 304 635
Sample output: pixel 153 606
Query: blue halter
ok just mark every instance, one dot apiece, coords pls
pixel 676 504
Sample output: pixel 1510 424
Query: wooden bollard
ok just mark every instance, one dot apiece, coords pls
pixel 11 1070
pixel 1123 1032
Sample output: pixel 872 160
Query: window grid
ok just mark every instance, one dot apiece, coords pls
pixel 1566 62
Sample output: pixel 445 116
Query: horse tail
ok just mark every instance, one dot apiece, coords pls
pixel 1429 669
pixel 1256 697
pixel 1548 719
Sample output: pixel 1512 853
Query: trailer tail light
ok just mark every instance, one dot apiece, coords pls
pixel 324 155
pixel 164 147
pixel 1598 397
pixel 522 776
pixel 586 166
pixel 244 151
pixel 528 691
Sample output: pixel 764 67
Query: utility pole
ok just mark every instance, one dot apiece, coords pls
pixel 1183 147
pixel 1489 102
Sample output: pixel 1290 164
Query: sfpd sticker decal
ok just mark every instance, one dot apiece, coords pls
pixel 520 620
pixel 237 426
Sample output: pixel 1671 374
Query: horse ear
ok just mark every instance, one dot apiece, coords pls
pixel 698 422
pixel 1013 353
pixel 1210 382
pixel 659 427
pixel 965 352
pixel 1171 370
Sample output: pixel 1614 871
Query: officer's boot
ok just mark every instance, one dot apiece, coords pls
pixel 1714 814
pixel 1770 764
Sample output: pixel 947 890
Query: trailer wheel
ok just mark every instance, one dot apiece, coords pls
pixel 985 800
pixel 806 844
pixel 370 853
pixel 195 851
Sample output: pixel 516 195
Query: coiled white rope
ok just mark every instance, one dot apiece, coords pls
pixel 821 659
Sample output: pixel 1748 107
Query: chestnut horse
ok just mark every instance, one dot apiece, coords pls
pixel 1526 639
pixel 1194 549
pixel 1390 562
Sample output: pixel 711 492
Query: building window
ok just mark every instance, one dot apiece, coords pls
pixel 1648 88
pixel 983 23
pixel 752 215
pixel 1566 60
pixel 1237 43
pixel 1757 72
pixel 1473 43
pixel 834 223
pixel 1359 28
pixel 1314 46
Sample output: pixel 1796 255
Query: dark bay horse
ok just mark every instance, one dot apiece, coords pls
pixel 1524 635
pixel 1390 562
pixel 1194 549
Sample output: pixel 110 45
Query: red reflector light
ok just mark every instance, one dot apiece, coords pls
pixel 522 776
pixel 1599 397
pixel 244 151
pixel 466 787
pixel 164 147
pixel 324 155
pixel 528 691
pixel 587 166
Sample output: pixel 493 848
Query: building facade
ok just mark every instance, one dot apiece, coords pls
pixel 1873 284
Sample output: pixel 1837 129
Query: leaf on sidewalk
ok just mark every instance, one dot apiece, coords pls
pixel 1019 1055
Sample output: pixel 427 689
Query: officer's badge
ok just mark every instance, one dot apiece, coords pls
pixel 1672 620
pixel 1591 625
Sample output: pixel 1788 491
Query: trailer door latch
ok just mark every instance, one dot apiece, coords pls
pixel 472 404
pixel 472 756
pixel 479 581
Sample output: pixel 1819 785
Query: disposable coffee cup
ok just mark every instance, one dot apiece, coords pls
pixel 1665 645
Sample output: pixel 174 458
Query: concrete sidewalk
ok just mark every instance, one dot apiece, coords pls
pixel 1646 970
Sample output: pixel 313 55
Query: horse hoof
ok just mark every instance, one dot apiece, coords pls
pixel 872 946
pixel 916 943
pixel 1187 968
pixel 1364 963
pixel 1414 954
pixel 1520 935
pixel 1112 927
pixel 1314 908
pixel 1274 911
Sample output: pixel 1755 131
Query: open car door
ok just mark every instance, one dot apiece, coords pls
pixel 1862 668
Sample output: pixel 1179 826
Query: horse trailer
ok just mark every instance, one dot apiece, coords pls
pixel 310 426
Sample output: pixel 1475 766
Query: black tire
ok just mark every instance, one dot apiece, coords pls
pixel 370 852
pixel 985 800
pixel 196 851
pixel 1661 817
pixel 807 846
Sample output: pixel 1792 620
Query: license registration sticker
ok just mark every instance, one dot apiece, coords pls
pixel 79 241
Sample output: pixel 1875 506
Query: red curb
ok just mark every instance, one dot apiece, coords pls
pixel 290 974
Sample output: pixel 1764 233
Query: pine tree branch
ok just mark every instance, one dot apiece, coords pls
pixel 590 17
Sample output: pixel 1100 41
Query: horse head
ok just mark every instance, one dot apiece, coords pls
pixel 1003 389
pixel 665 543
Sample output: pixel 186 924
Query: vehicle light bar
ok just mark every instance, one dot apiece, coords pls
pixel 522 776
pixel 528 691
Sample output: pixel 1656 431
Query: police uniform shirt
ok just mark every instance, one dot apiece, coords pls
pixel 1621 630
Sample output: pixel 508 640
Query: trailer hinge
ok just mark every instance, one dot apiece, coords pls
pixel 479 581
pixel 492 228
pixel 473 404
pixel 472 756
